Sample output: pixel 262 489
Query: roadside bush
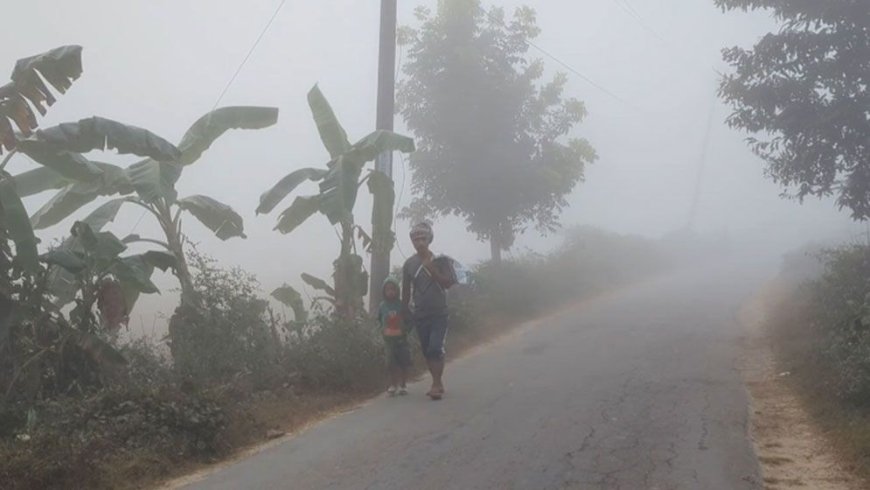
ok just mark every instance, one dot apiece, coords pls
pixel 138 423
pixel 232 335
pixel 842 316
pixel 817 316
pixel 589 262
pixel 332 353
pixel 803 264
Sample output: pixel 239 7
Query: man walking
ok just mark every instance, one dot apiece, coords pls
pixel 426 280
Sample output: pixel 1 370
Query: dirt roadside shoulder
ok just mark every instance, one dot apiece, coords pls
pixel 793 452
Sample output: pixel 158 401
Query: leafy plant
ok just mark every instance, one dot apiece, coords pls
pixel 41 352
pixel 332 352
pixel 339 183
pixel 232 335
pixel 59 67
pixel 841 314
pixel 149 183
pixel 102 277
pixel 801 93
pixel 291 298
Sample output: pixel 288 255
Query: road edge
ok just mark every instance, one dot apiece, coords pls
pixel 792 451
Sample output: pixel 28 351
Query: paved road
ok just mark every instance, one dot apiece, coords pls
pixel 638 390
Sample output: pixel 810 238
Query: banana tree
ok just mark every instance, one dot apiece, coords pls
pixel 104 278
pixel 45 350
pixel 26 90
pixel 43 146
pixel 149 183
pixel 339 184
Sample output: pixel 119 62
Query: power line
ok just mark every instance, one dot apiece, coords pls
pixel 702 162
pixel 633 13
pixel 628 9
pixel 398 205
pixel 233 78
pixel 631 8
pixel 250 51
pixel 584 77
pixel 563 64
pixel 399 202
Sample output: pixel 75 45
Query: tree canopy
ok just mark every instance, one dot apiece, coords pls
pixel 492 137
pixel 802 94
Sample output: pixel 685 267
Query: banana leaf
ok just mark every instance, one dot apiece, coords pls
pixel 293 300
pixel 285 186
pixel 66 202
pixel 154 180
pixel 216 216
pixel 318 284
pixel 301 209
pixel 380 141
pixel 68 164
pixel 59 67
pixel 211 126
pixel 18 226
pixel 38 180
pixel 98 133
pixel 338 190
pixel 65 259
pixel 331 133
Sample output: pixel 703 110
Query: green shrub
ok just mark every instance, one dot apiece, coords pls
pixel 139 422
pixel 589 262
pixel 231 335
pixel 332 353
pixel 842 310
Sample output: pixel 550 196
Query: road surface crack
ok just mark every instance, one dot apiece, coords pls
pixel 705 430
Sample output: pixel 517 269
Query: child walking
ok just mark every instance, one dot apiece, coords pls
pixel 395 334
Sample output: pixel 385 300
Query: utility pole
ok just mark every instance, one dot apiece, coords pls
pixel 383 244
pixel 702 162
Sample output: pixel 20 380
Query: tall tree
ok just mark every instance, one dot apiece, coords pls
pixel 492 138
pixel 802 92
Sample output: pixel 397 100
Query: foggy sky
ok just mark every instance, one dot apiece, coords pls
pixel 160 64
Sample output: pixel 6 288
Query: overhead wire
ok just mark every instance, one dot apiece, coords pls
pixel 234 76
pixel 398 205
pixel 565 65
pixel 626 7
pixel 250 52
pixel 629 10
